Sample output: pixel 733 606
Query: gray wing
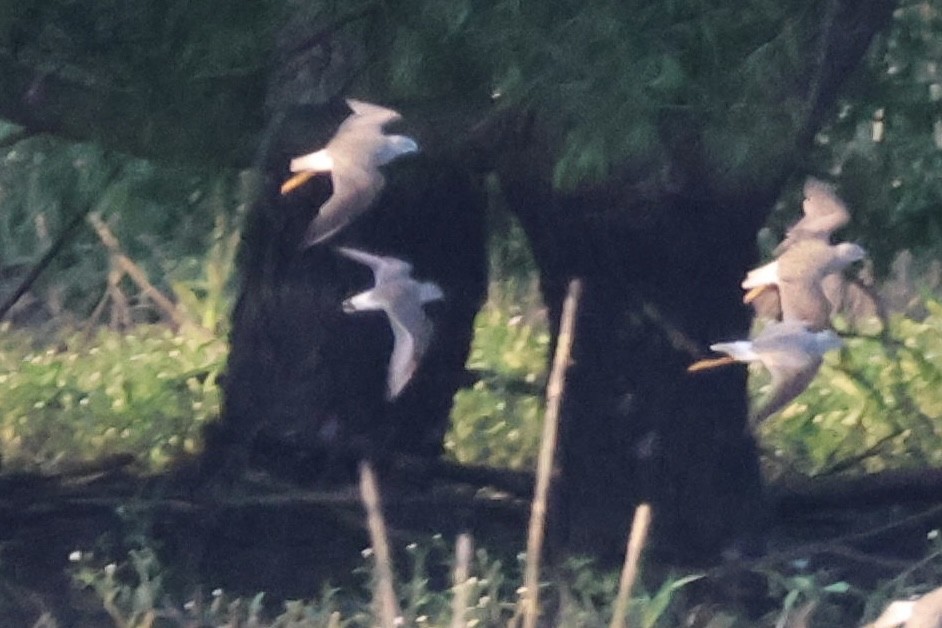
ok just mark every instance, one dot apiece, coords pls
pixel 768 303
pixel 824 212
pixel 367 259
pixel 804 300
pixel 801 269
pixel 791 372
pixel 368 113
pixel 412 332
pixel 355 189
pixel 388 272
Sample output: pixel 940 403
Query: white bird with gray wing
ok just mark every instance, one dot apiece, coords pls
pixel 788 350
pixel 353 158
pixel 402 298
pixel 798 274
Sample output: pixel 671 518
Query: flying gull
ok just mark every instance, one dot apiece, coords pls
pixel 805 257
pixel 401 297
pixel 788 350
pixel 353 157
pixel 798 274
pixel 824 213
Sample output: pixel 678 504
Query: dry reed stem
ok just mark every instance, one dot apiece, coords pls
pixel 459 600
pixel 629 572
pixel 124 263
pixel 545 462
pixel 384 595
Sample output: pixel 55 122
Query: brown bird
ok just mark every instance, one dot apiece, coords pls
pixel 805 257
pixel 788 350
pixel 401 297
pixel 798 274
pixel 824 212
pixel 353 158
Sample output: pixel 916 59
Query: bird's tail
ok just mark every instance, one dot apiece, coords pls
pixel 761 276
pixel 739 350
pixel 429 291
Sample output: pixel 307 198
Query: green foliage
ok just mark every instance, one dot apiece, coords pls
pixel 498 421
pixel 883 143
pixel 151 47
pixel 133 593
pixel 147 392
pixel 874 405
pixel 615 81
pixel 163 218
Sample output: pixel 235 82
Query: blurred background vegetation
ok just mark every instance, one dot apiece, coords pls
pixel 119 343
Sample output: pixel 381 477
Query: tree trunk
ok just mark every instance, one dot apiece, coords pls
pixel 661 279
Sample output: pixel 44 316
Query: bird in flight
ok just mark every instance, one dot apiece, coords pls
pixel 798 273
pixel 402 298
pixel 788 350
pixel 805 257
pixel 824 212
pixel 353 157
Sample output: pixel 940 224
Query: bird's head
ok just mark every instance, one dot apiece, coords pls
pixel 827 340
pixel 850 252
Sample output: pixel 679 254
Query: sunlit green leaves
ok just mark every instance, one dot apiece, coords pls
pixel 498 421
pixel 874 405
pixel 883 146
pixel 147 392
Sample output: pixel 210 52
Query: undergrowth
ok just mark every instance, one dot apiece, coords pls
pixel 134 594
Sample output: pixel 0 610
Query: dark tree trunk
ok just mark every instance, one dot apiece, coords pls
pixel 661 279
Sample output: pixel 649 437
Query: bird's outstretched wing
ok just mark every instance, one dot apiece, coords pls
pixel 788 381
pixel 411 332
pixel 367 259
pixel 389 273
pixel 368 113
pixel 789 354
pixel 824 212
pixel 354 191
pixel 804 300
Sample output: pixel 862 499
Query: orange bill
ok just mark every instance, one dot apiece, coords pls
pixel 710 363
pixel 751 296
pixel 297 181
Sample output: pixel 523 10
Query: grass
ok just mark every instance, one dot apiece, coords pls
pixel 150 390
pixel 133 594
pixel 147 391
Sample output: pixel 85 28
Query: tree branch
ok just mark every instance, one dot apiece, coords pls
pixel 213 120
